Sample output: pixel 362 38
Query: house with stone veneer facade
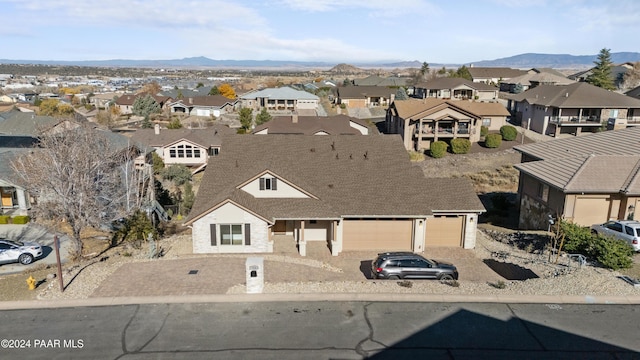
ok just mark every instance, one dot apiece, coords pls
pixel 587 179
pixel 350 192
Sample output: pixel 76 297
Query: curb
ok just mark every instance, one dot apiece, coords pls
pixel 323 297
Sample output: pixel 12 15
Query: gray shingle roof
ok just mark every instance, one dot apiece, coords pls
pixel 24 123
pixel 494 72
pixel 360 92
pixel 334 169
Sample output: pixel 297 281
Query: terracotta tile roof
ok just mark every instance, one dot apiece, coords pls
pixel 588 173
pixel 578 94
pixel 335 171
pixel 310 125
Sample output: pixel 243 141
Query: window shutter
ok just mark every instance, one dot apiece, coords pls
pixel 274 184
pixel 261 183
pixel 213 234
pixel 247 234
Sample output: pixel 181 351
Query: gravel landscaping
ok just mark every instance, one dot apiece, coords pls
pixel 83 281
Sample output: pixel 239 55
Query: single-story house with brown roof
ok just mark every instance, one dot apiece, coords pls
pixel 420 122
pixel 588 179
pixel 190 147
pixel 125 102
pixel 493 75
pixel 315 125
pixel 454 89
pixel 210 105
pixel 363 96
pixel 350 192
pixel 558 109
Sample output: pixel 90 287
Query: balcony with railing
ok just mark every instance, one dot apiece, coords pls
pixel 591 120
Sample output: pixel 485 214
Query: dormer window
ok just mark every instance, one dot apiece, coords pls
pixel 268 183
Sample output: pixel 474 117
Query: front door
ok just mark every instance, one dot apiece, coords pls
pixel 280 227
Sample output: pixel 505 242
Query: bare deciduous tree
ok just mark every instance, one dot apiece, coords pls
pixel 82 177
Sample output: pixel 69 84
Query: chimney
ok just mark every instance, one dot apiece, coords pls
pixel 392 98
pixel 294 118
pixel 190 100
pixel 156 129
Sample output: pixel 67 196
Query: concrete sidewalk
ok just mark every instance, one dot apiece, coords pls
pixel 342 297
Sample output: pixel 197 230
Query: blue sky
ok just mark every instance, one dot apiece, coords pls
pixel 314 30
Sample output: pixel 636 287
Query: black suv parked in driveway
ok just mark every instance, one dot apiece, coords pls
pixel 407 265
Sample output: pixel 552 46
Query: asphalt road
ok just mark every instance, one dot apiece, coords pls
pixel 31 232
pixel 323 330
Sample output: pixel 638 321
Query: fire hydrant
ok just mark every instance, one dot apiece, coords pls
pixel 31 281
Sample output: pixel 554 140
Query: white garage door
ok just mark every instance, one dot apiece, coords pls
pixel 444 231
pixel 387 235
pixel 202 112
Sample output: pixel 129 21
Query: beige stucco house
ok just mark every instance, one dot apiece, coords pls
pixel 421 122
pixel 449 88
pixel 587 180
pixel 281 100
pixel 559 109
pixel 348 192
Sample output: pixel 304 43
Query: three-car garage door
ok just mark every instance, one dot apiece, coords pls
pixel 444 231
pixel 376 235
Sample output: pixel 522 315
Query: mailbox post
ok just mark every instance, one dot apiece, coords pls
pixel 255 275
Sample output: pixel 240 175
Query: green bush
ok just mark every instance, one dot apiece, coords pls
pixel 20 219
pixel 416 156
pixel 137 228
pixel 438 149
pixel 611 253
pixel 4 219
pixel 460 146
pixel 509 132
pixel 484 131
pixel 493 141
pixel 179 174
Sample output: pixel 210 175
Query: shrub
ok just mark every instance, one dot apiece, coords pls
pixel 493 141
pixel 179 174
pixel 438 149
pixel 611 253
pixel 416 155
pixel 136 228
pixel 509 132
pixel 460 146
pixel 484 131
pixel 20 219
pixel 4 219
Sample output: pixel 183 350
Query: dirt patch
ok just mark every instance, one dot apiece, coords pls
pixel 14 287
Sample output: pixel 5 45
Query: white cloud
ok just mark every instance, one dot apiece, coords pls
pixel 375 8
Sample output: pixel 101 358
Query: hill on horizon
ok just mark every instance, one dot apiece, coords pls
pixel 528 60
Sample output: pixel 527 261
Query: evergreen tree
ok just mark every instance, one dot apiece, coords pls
pixel 145 106
pixel 246 118
pixel 401 94
pixel 262 117
pixel 214 91
pixel 601 73
pixel 462 72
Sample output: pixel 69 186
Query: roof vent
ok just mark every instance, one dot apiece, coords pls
pixel 566 95
pixel 366 155
pixel 312 149
pixel 351 156
pixel 333 146
pixel 337 157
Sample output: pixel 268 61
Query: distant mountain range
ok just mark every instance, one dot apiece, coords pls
pixel 525 61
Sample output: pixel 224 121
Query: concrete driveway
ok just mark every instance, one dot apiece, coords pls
pixel 36 233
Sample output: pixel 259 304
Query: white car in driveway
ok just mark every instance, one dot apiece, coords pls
pixel 627 230
pixel 22 252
